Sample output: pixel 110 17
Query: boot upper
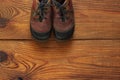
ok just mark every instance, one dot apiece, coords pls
pixel 41 16
pixel 63 15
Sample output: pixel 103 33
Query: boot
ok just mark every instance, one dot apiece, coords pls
pixel 40 24
pixel 63 20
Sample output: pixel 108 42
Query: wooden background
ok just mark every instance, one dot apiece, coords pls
pixel 92 54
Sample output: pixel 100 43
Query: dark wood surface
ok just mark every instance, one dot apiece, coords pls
pixel 92 54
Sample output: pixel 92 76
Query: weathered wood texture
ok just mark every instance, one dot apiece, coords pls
pixel 95 19
pixel 95 57
pixel 71 60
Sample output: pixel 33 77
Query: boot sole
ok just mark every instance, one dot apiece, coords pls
pixel 64 35
pixel 40 36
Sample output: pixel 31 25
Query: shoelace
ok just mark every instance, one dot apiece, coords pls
pixel 62 9
pixel 42 10
pixel 63 13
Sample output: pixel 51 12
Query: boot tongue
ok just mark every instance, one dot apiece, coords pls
pixel 65 3
pixel 43 1
pixel 60 3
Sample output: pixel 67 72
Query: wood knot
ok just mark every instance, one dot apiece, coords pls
pixel 3 22
pixel 3 56
pixel 19 78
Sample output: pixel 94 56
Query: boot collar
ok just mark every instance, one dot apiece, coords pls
pixel 58 4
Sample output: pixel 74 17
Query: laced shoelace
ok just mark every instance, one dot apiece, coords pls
pixel 41 10
pixel 62 9
pixel 63 13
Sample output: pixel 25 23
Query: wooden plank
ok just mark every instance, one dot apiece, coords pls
pixel 97 19
pixel 71 60
pixel 14 19
pixel 94 19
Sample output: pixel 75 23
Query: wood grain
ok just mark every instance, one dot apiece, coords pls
pixel 94 19
pixel 14 19
pixel 53 60
pixel 93 54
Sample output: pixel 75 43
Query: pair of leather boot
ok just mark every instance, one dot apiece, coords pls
pixel 48 15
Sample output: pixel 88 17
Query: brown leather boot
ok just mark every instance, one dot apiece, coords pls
pixel 41 19
pixel 63 19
